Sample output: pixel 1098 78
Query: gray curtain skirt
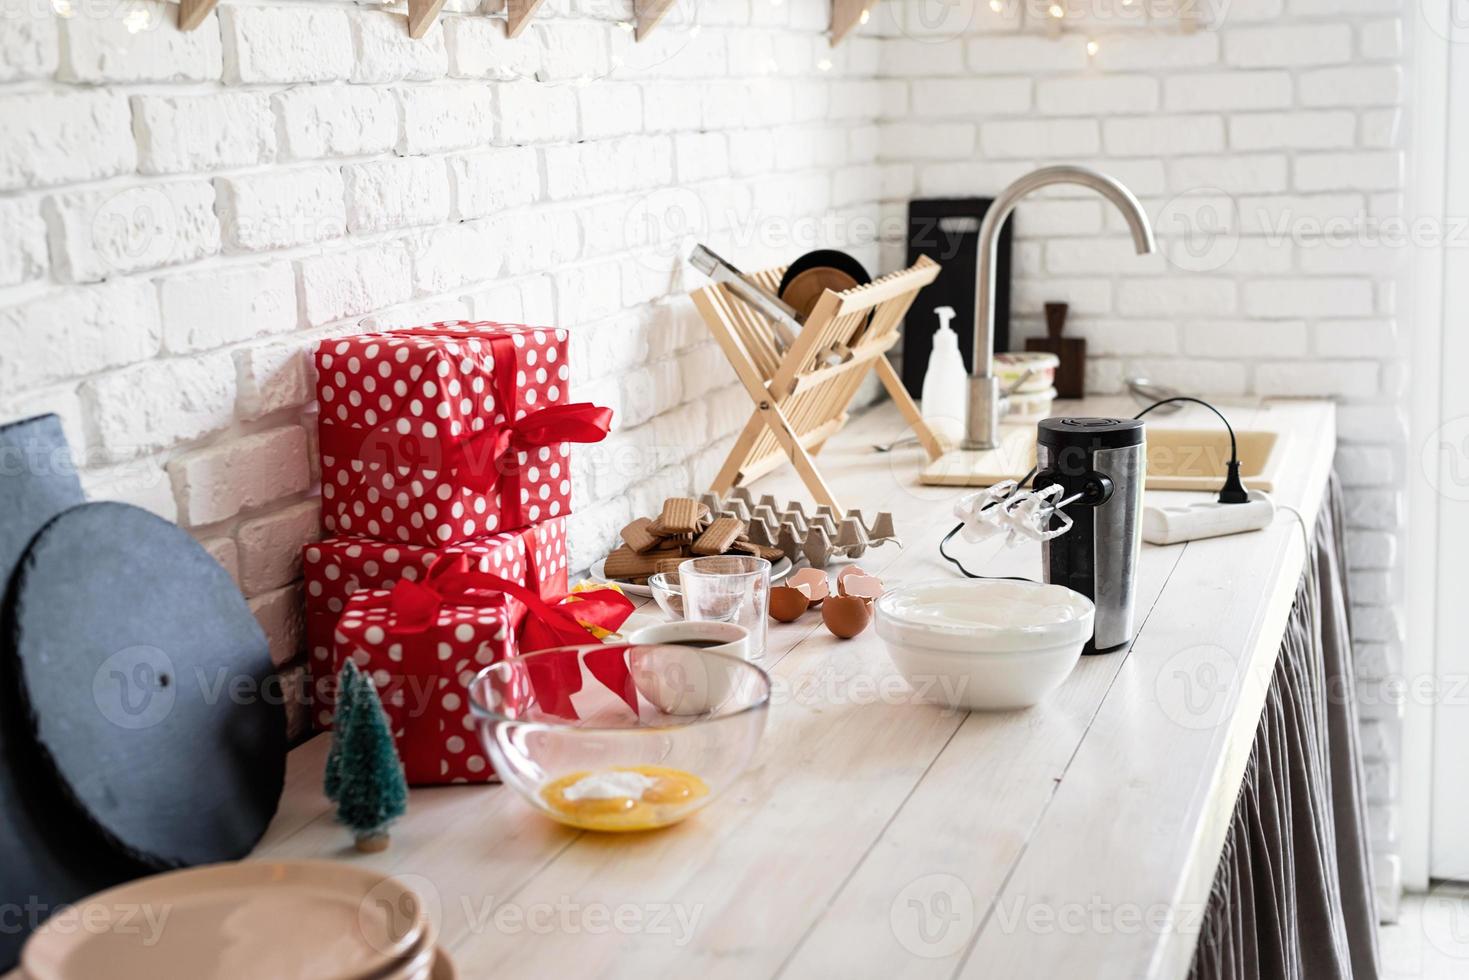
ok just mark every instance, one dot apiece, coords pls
pixel 1293 897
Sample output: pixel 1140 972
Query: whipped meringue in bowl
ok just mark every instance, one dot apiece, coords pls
pixel 986 644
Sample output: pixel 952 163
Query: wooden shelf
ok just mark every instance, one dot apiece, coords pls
pixel 649 13
pixel 518 14
pixel 421 16
pixel 845 15
pixel 193 12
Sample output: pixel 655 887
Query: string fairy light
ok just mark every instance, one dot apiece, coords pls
pixel 1061 17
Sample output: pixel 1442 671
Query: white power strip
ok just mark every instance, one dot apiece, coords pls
pixel 1206 519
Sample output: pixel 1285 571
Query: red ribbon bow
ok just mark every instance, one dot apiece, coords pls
pixel 577 422
pixel 453 580
pixel 478 459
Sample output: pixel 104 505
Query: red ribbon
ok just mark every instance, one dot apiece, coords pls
pixel 577 422
pixel 453 580
pixel 480 459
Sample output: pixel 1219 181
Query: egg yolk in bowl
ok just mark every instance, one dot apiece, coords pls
pixel 624 798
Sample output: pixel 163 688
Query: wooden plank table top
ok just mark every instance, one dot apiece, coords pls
pixel 877 836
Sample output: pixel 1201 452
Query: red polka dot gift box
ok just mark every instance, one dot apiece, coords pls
pixel 442 434
pixel 423 679
pixel 422 642
pixel 338 568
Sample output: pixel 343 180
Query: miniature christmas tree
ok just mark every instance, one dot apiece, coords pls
pixel 332 779
pixel 364 776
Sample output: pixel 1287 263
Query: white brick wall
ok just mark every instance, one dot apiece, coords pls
pixel 187 134
pixel 1281 126
pixel 182 216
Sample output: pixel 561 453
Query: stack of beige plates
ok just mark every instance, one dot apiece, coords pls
pixel 297 920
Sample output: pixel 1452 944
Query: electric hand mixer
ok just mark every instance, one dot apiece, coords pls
pixel 1095 467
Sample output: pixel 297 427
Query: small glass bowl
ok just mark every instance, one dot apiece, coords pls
pixel 667 593
pixel 654 708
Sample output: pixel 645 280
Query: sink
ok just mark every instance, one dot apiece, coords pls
pixel 1178 459
pixel 1194 459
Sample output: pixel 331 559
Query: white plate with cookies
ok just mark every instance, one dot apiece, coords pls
pixel 779 569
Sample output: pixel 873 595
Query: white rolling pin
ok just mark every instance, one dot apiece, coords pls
pixel 1206 519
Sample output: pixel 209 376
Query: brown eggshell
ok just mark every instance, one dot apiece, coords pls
pixel 787 604
pixel 861 586
pixel 846 573
pixel 845 616
pixel 817 586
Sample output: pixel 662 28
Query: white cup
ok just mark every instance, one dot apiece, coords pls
pixel 733 639
pixel 684 685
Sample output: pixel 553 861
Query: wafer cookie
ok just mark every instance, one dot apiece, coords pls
pixel 720 535
pixel 626 563
pixel 638 537
pixel 680 515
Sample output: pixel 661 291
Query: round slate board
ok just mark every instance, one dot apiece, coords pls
pixel 37 482
pixel 149 685
pixel 49 856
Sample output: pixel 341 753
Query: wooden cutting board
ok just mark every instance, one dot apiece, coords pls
pixel 1071 374
pixel 947 231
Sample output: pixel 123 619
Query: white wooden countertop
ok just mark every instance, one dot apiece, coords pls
pixel 873 836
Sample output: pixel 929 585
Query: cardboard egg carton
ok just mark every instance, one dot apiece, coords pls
pixel 820 537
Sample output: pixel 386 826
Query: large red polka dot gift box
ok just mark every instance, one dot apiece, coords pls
pixel 338 568
pixel 422 641
pixel 442 434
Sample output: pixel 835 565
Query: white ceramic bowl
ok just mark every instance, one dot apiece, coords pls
pixel 1026 372
pixel 986 644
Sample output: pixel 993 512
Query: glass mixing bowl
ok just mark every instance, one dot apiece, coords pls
pixel 620 737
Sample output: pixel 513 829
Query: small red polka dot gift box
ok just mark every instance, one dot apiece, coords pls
pixel 442 434
pixel 422 642
pixel 423 678
pixel 338 568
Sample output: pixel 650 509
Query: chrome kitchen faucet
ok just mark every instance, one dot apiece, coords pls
pixel 985 405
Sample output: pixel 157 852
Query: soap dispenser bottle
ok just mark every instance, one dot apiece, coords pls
pixel 946 384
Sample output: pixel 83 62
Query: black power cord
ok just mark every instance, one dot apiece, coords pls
pixel 1233 491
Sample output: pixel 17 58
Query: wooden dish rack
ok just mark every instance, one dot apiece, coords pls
pixel 800 397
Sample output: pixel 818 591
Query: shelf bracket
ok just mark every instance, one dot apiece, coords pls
pixel 421 16
pixel 845 15
pixel 649 13
pixel 193 12
pixel 518 14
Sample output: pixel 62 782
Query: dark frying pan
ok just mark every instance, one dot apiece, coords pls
pixel 815 272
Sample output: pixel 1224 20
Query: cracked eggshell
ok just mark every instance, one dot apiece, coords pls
pixel 787 603
pixel 846 616
pixel 814 581
pixel 862 586
pixel 855 580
